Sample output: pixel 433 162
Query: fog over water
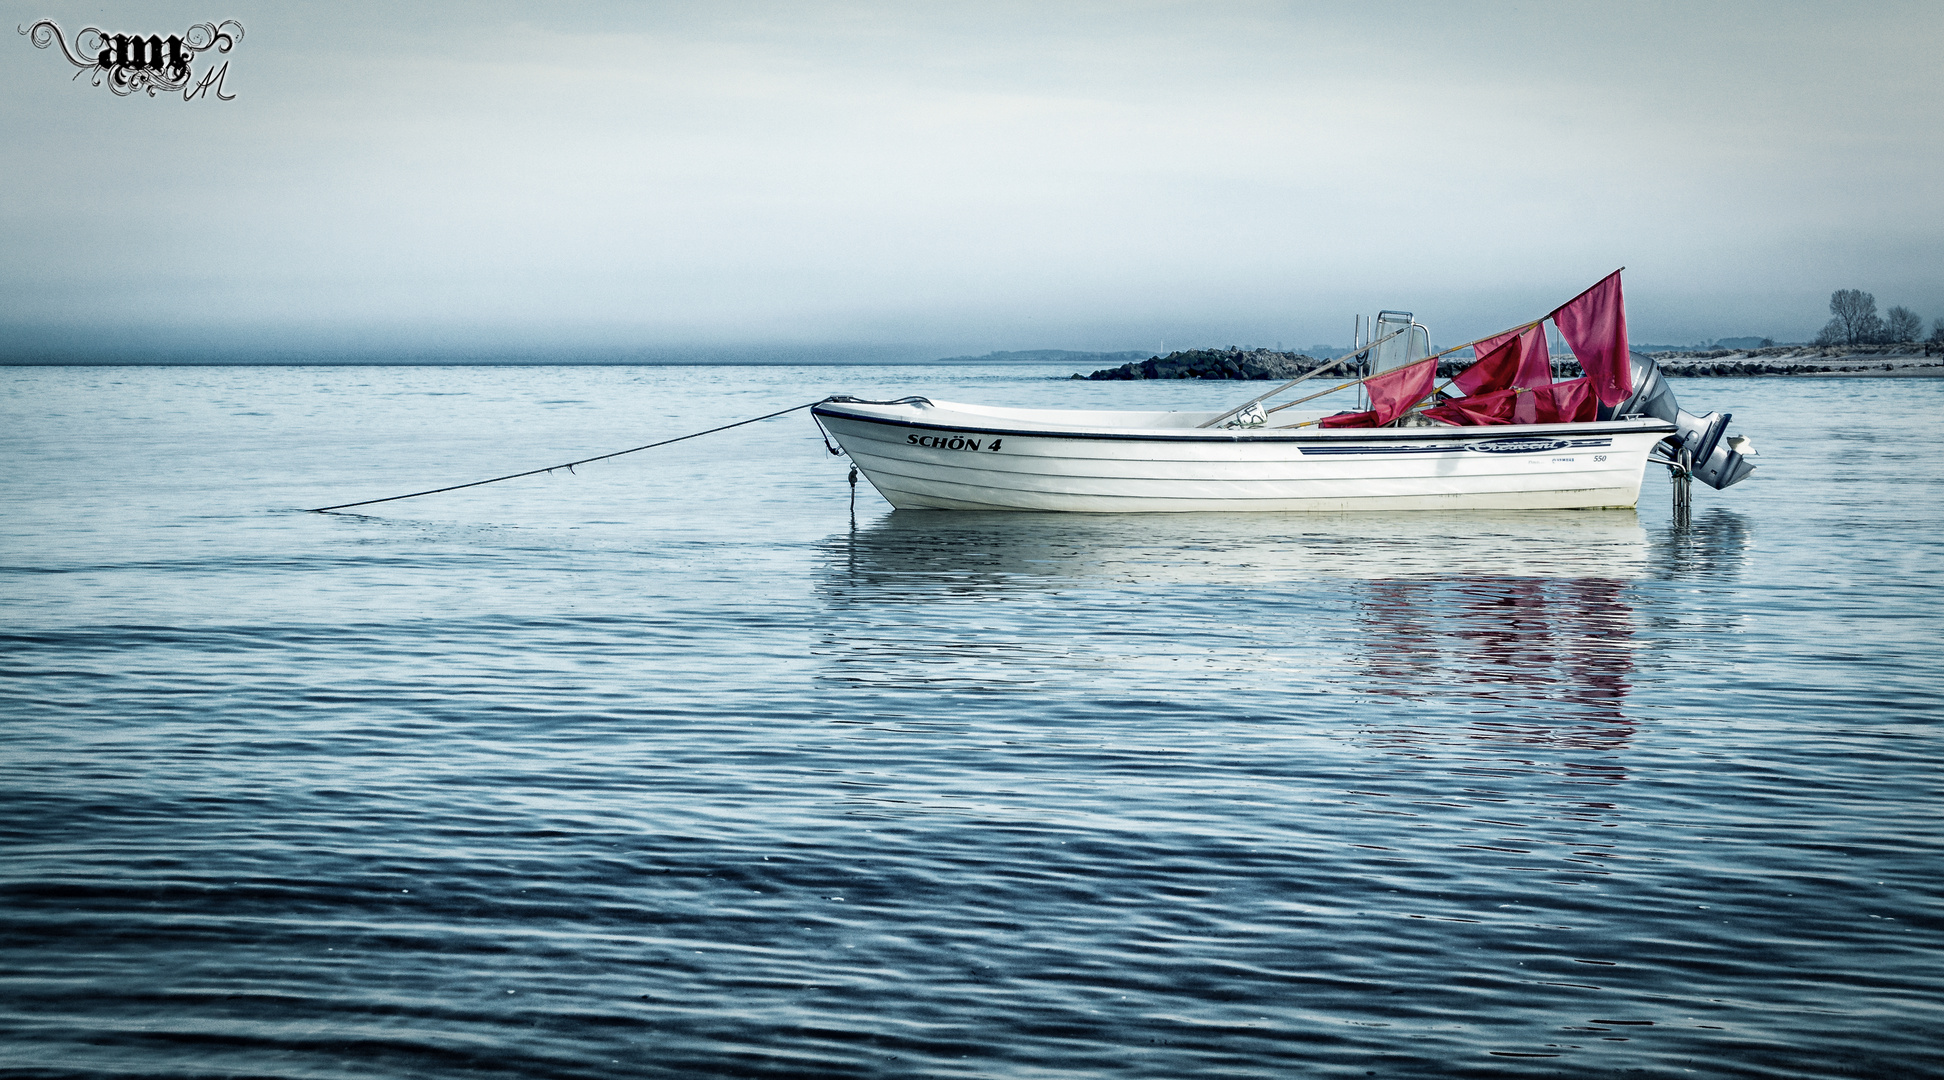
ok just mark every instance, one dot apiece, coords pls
pixel 663 180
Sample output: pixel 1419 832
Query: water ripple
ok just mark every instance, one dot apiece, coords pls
pixel 614 775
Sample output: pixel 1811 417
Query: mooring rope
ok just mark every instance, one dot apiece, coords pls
pixel 569 466
pixel 846 399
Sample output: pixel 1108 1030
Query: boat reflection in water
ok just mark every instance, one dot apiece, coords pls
pixel 1563 640
pixel 1529 611
pixel 1713 548
pixel 1477 665
pixel 966 550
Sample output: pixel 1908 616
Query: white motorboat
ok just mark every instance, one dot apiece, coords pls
pixel 1468 454
pixel 943 455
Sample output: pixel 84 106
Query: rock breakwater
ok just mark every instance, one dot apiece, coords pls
pixel 1266 364
pixel 1912 360
pixel 1260 364
pixel 1238 364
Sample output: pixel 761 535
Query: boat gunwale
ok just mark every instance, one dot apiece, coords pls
pixel 1644 425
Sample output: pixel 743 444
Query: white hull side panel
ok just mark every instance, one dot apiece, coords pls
pixel 916 465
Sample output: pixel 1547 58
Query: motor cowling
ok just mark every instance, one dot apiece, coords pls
pixel 1718 459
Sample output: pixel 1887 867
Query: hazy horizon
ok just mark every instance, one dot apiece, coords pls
pixel 657 180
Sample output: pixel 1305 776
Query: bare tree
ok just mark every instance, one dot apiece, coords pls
pixel 1937 331
pixel 1855 317
pixel 1901 324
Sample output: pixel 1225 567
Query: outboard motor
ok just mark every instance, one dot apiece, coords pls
pixel 1716 460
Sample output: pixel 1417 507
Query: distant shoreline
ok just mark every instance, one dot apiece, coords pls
pixel 1876 362
pixel 1263 365
pixel 1924 371
pixel 1911 361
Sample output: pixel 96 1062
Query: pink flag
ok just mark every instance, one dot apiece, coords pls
pixel 1514 358
pixel 1391 395
pixel 1594 323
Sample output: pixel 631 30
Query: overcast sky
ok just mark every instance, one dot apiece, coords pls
pixel 957 178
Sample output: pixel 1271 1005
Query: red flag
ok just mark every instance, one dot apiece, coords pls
pixel 1391 395
pixel 1566 402
pixel 1394 392
pixel 1594 323
pixel 1525 407
pixel 1485 345
pixel 1514 358
pixel 1478 409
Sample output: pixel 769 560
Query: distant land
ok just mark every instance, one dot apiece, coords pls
pixel 1720 343
pixel 1913 359
pixel 1907 360
pixel 1724 356
pixel 1131 356
pixel 1048 356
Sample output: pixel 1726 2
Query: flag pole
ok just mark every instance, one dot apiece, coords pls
pixel 1306 376
pixel 1346 386
pixel 1354 382
pixel 1312 373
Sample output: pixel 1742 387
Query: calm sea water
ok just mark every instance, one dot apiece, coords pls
pixel 680 765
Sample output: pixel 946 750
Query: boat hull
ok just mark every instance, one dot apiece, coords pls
pixel 939 455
